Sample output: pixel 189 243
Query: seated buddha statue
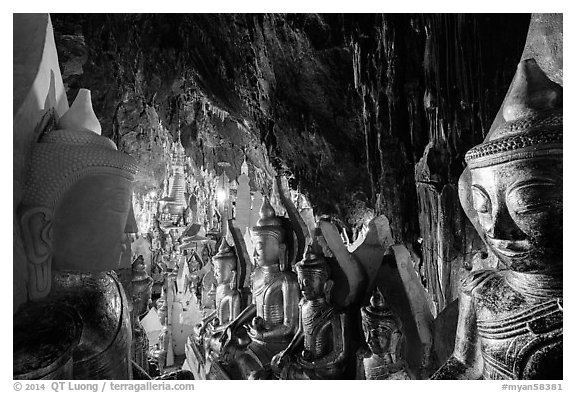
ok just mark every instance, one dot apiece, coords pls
pixel 227 293
pixel 141 294
pixel 321 345
pixel 73 215
pixel 270 322
pixel 382 331
pixel 510 320
pixel 207 334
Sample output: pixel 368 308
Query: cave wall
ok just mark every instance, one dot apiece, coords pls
pixel 431 86
pixel 367 114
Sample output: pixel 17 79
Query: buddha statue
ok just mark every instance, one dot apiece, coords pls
pixel 194 283
pixel 510 320
pixel 382 331
pixel 141 294
pixel 207 334
pixel 321 346
pixel 227 294
pixel 73 216
pixel 270 322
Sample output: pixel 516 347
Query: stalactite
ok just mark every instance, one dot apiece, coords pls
pixel 367 98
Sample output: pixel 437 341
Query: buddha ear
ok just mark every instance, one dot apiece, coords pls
pixel 37 236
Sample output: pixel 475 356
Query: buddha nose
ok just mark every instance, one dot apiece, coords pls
pixel 503 226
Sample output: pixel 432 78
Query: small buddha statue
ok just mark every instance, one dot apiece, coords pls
pixel 383 334
pixel 195 276
pixel 510 320
pixel 227 294
pixel 207 334
pixel 207 282
pixel 322 336
pixel 73 214
pixel 208 289
pixel 272 320
pixel 141 294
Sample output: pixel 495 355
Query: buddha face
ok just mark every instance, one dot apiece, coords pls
pixel 267 250
pixel 519 207
pixel 89 223
pixel 311 285
pixel 222 273
pixel 377 338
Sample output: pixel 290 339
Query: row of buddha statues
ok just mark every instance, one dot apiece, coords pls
pixel 283 322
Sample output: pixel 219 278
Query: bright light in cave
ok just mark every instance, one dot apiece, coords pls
pixel 220 196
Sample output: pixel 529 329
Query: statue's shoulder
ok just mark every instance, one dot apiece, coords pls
pixel 477 279
pixel 289 277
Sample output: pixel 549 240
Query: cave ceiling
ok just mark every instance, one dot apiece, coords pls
pixel 344 104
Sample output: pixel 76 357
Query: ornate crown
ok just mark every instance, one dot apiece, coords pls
pixel 268 224
pixel 313 263
pixel 378 315
pixel 225 255
pixel 534 121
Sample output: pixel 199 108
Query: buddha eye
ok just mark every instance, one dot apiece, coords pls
pixel 481 200
pixel 533 208
pixel 534 199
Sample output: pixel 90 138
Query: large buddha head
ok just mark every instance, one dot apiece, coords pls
pixel 268 238
pixel 77 198
pixel 516 176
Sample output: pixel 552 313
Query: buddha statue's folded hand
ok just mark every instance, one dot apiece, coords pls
pixel 257 329
pixel 231 337
pixel 258 324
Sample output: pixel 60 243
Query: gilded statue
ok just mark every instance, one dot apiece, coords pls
pixel 270 322
pixel 76 202
pixel 383 333
pixel 227 293
pixel 207 335
pixel 510 321
pixel 321 346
